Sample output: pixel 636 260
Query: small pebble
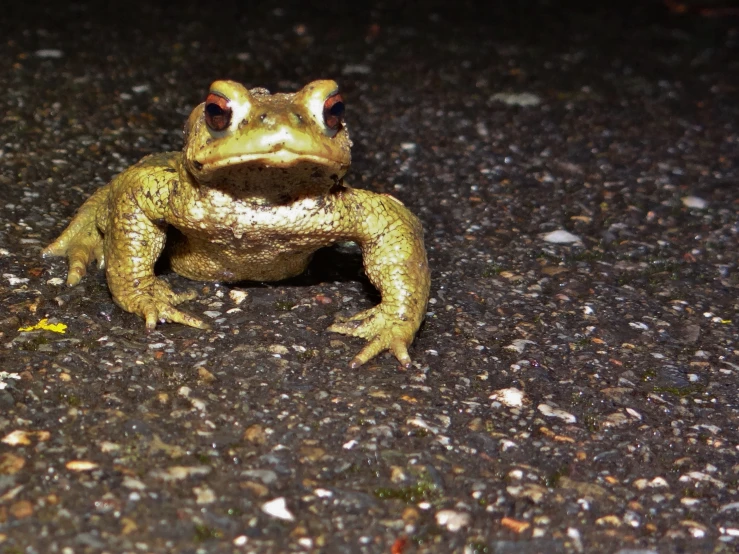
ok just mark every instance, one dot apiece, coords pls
pixel 519 345
pixel 452 519
pixel 52 53
pixel 694 202
pixel 511 397
pixel 356 69
pixel 278 508
pixel 523 99
pixel 550 411
pixel 561 237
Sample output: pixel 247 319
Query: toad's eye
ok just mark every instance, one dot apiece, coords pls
pixel 333 111
pixel 217 112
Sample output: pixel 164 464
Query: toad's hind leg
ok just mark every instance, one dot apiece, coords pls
pixel 81 242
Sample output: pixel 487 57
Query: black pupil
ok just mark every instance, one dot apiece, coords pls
pixel 337 110
pixel 214 110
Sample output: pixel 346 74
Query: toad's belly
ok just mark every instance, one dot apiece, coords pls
pixel 206 261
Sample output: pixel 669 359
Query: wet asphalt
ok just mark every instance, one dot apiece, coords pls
pixel 574 386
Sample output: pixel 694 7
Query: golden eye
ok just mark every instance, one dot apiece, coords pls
pixel 333 111
pixel 217 112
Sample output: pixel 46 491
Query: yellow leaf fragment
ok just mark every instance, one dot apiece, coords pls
pixel 128 526
pixel 46 326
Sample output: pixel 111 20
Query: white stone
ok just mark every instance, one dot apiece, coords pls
pixel 452 519
pixel 519 345
pixel 53 53
pixel 550 411
pixel 278 508
pixel 694 202
pixel 511 397
pixel 561 237
pixel 523 99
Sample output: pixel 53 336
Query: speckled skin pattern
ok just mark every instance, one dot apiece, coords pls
pixel 252 201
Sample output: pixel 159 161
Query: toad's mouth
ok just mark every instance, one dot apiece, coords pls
pixel 279 158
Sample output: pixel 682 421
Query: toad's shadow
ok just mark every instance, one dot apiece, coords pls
pixel 341 262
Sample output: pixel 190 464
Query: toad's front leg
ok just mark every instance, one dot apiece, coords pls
pixel 391 239
pixel 134 239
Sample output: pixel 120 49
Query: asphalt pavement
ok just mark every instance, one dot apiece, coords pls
pixel 574 385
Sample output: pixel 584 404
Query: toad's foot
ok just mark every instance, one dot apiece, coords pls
pixel 384 331
pixel 80 249
pixel 80 255
pixel 156 302
pixel 81 242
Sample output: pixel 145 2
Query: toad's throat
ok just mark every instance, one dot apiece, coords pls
pixel 265 183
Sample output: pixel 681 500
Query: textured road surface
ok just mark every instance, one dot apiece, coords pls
pixel 575 382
